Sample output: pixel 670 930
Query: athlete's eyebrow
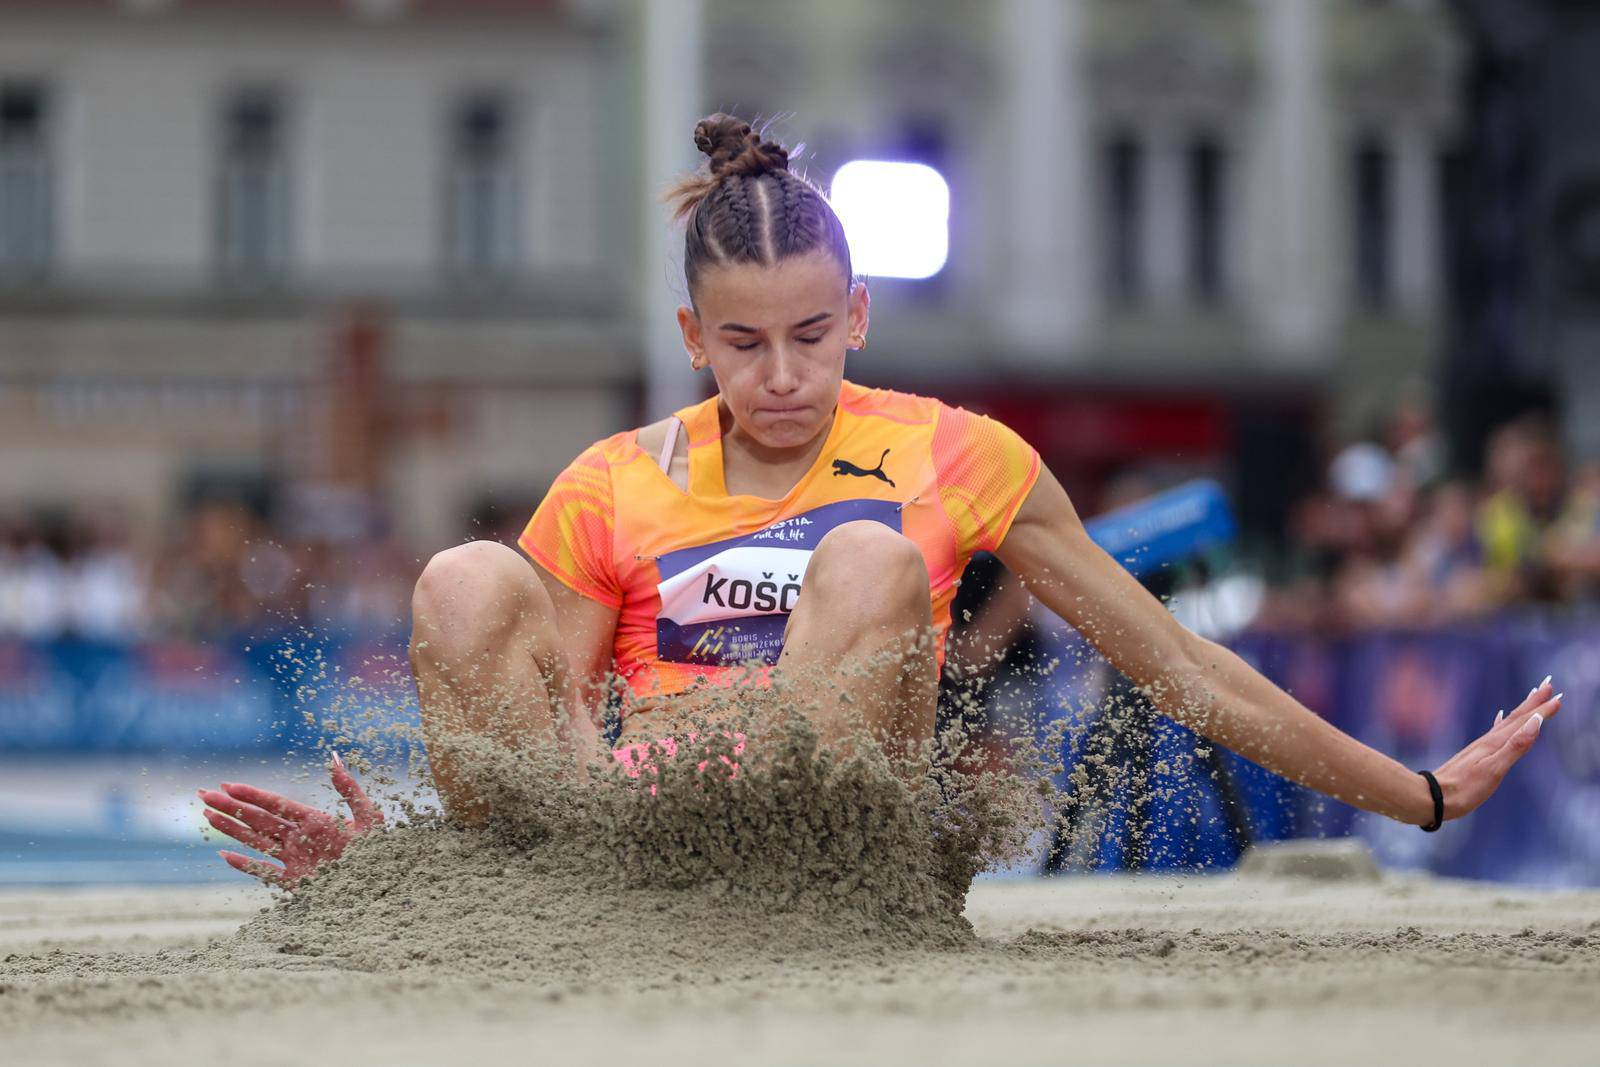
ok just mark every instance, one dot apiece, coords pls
pixel 739 327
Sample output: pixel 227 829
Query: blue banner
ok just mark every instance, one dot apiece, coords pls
pixel 1179 524
pixel 273 692
pixel 1419 697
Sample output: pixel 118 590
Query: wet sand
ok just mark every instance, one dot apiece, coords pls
pixel 1105 968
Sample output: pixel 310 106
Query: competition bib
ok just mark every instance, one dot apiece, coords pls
pixel 728 602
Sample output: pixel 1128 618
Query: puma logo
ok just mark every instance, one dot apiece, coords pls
pixel 844 466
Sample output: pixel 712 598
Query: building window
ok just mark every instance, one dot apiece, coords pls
pixel 26 208
pixel 1372 167
pixel 1123 168
pixel 1207 222
pixel 482 209
pixel 253 200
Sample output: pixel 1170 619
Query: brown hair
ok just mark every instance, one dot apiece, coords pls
pixel 746 206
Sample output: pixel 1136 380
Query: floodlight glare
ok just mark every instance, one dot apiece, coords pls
pixel 896 215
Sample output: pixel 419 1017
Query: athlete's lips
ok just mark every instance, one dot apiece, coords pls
pixel 782 411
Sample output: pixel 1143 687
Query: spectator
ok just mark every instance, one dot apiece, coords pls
pixel 107 583
pixel 33 581
pixel 1524 470
pixel 1572 545
pixel 1413 439
pixel 1445 557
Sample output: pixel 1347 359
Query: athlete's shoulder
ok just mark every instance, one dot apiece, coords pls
pixel 908 408
pixel 611 451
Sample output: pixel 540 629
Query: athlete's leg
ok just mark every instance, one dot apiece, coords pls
pixel 487 658
pixel 863 620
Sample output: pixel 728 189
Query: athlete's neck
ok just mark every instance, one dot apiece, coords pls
pixel 754 469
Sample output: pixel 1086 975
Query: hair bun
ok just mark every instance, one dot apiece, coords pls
pixel 734 148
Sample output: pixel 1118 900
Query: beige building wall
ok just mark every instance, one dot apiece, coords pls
pixel 139 106
pixel 132 367
pixel 1023 95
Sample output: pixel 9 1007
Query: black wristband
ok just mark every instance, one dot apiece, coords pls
pixel 1438 801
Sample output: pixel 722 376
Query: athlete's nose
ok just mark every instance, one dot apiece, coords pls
pixel 781 377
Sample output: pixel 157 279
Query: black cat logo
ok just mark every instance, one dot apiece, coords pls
pixel 844 466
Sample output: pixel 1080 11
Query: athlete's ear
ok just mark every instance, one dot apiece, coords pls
pixel 694 341
pixel 859 302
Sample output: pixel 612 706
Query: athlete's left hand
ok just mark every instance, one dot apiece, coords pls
pixel 1469 777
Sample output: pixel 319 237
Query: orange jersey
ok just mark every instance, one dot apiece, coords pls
pixel 703 581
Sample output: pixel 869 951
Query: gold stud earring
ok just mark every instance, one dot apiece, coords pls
pixel 858 341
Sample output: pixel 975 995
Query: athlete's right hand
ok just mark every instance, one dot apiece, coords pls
pixel 303 837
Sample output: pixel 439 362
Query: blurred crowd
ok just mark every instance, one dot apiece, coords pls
pixel 224 570
pixel 1389 540
pixel 1392 540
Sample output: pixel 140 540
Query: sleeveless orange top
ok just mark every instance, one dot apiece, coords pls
pixel 703 581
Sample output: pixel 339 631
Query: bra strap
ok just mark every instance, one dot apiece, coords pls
pixel 670 445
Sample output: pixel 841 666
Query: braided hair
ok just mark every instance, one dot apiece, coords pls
pixel 746 206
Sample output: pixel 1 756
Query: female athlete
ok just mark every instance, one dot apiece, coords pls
pixel 815 526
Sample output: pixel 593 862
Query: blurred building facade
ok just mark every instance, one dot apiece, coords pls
pixel 403 255
pixel 332 248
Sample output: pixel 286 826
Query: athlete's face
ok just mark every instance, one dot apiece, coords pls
pixel 775 340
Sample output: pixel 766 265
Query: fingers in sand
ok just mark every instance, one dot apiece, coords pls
pixel 270 873
pixel 241 833
pixel 365 811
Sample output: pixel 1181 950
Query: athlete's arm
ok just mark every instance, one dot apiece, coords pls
pixel 1211 690
pixel 587 628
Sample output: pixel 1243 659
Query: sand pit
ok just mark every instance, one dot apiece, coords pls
pixel 802 911
pixel 804 908
pixel 1108 969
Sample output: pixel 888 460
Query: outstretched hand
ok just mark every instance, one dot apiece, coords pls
pixel 303 837
pixel 1471 775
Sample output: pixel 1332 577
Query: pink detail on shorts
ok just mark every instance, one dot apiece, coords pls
pixel 635 758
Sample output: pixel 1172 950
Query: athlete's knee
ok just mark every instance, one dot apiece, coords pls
pixel 871 562
pixel 476 589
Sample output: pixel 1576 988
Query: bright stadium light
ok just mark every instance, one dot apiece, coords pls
pixel 896 215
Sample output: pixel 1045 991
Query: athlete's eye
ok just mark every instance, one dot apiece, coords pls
pixel 748 347
pixel 813 340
